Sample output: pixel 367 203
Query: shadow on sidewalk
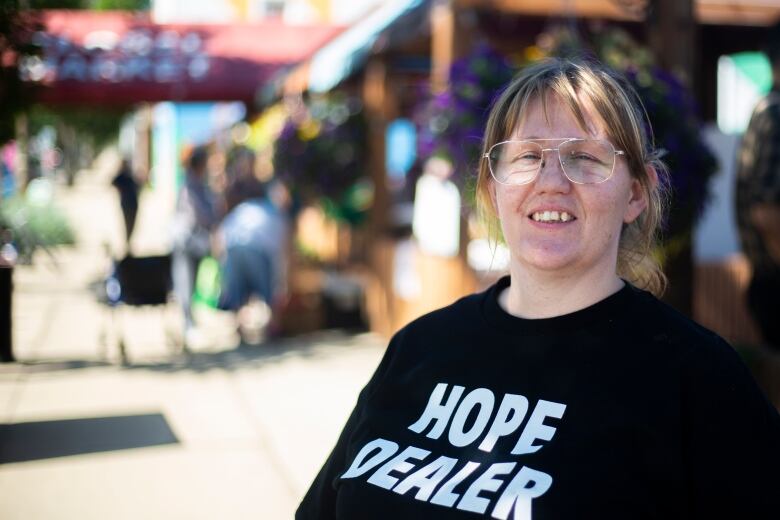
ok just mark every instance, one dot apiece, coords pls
pixel 318 345
pixel 23 442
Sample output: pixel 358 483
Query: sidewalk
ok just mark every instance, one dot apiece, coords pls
pixel 223 432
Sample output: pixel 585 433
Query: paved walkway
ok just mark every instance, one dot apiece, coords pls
pixel 223 432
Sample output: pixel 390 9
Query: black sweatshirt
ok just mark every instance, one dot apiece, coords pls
pixel 624 410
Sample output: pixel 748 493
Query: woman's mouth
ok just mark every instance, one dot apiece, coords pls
pixel 552 216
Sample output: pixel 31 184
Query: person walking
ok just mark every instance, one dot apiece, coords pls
pixel 194 219
pixel 128 188
pixel 567 389
pixel 758 202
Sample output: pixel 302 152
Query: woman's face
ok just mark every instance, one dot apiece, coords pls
pixel 585 242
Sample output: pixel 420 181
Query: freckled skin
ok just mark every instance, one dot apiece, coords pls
pixel 586 246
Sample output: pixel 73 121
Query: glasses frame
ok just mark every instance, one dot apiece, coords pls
pixel 557 149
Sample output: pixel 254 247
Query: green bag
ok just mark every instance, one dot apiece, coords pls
pixel 208 283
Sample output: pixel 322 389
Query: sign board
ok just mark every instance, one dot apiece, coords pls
pixel 118 58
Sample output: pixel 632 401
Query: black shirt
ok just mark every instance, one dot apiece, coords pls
pixel 624 409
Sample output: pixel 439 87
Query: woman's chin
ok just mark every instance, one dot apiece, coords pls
pixel 547 261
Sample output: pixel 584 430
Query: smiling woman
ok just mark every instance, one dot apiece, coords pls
pixel 566 390
pixel 602 148
pixel 598 189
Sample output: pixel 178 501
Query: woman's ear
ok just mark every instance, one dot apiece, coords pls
pixel 639 195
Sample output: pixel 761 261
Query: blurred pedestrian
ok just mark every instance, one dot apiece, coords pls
pixel 241 182
pixel 254 238
pixel 193 221
pixel 128 188
pixel 567 389
pixel 758 201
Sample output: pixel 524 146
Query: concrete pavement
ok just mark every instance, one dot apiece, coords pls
pixel 221 432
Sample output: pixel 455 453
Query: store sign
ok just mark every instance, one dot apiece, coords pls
pixel 106 56
pixel 122 58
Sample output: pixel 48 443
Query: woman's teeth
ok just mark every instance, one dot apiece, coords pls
pixel 551 216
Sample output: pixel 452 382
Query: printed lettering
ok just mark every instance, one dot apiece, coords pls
pixel 444 496
pixel 520 492
pixel 427 478
pixel 471 500
pixel 481 397
pixel 467 418
pixel 536 429
pixel 382 478
pixel 435 411
pixel 360 465
pixel 510 414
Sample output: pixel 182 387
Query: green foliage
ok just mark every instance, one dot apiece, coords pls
pixel 33 225
pixel 124 5
pixel 100 125
pixel 97 5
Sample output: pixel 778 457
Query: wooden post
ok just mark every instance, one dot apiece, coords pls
pixel 672 33
pixel 446 279
pixel 22 157
pixel 442 44
pixel 379 109
pixel 70 151
pixel 379 105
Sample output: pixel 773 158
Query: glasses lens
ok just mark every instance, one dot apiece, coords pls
pixel 587 161
pixel 515 162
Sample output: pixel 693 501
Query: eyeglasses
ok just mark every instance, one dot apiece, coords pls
pixel 583 161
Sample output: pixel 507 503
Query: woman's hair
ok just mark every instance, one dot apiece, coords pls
pixel 198 158
pixel 622 114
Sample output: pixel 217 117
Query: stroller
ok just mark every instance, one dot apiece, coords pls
pixel 136 281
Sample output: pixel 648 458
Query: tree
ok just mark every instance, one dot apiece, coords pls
pixel 96 126
pixel 16 27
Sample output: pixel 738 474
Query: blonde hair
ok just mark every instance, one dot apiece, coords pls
pixel 622 114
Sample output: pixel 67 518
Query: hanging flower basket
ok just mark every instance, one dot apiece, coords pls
pixel 450 124
pixel 321 154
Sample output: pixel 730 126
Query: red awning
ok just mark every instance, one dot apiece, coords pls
pixel 119 58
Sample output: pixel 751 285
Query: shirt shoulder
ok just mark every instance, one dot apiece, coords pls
pixel 663 323
pixel 710 365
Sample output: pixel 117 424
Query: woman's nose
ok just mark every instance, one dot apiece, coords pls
pixel 551 175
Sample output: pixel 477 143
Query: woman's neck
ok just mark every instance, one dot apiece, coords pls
pixel 546 295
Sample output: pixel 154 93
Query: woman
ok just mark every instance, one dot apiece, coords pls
pixel 565 390
pixel 194 219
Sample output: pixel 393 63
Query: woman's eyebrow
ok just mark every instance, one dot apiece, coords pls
pixel 537 138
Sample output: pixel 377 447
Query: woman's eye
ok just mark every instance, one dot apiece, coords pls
pixel 583 157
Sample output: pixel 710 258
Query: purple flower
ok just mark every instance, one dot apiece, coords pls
pixel 452 123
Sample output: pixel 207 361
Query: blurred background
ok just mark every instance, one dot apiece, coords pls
pixel 319 123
